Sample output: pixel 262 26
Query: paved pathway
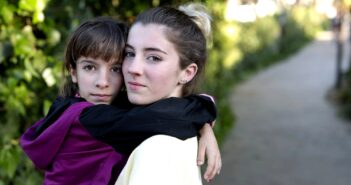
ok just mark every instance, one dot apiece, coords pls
pixel 287 133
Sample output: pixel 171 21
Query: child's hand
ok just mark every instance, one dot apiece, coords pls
pixel 208 144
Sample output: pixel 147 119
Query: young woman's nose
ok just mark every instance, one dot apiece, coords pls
pixel 102 80
pixel 134 67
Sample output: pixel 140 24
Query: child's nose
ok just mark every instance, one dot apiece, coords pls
pixel 102 79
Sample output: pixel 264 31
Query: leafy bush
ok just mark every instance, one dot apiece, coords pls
pixel 28 68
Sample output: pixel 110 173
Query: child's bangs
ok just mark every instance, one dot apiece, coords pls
pixel 107 49
pixel 105 44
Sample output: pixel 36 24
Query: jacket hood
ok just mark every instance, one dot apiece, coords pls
pixel 43 140
pixel 57 108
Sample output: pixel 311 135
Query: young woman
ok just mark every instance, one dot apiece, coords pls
pixel 165 56
pixel 64 147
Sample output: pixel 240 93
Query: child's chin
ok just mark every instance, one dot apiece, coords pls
pixel 101 103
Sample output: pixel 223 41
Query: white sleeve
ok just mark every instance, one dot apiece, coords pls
pixel 162 160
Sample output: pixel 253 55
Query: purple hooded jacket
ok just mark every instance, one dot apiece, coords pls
pixel 70 154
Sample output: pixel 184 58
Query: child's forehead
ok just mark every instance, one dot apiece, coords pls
pixel 111 60
pixel 108 54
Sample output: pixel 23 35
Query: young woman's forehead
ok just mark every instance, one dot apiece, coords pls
pixel 148 36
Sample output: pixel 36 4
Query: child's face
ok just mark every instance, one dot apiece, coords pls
pixel 98 81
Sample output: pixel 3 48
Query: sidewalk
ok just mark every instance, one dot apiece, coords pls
pixel 287 133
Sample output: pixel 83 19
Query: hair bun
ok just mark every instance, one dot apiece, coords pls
pixel 199 14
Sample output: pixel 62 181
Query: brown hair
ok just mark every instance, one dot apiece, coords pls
pixel 102 38
pixel 187 29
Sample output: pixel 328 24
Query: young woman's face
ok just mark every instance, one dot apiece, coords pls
pixel 98 81
pixel 151 65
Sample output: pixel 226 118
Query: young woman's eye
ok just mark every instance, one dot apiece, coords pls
pixel 154 58
pixel 89 67
pixel 129 54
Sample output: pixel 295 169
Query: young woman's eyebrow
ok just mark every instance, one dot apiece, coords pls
pixel 148 49
pixel 155 49
pixel 129 46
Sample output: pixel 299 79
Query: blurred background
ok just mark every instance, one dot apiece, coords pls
pixel 248 36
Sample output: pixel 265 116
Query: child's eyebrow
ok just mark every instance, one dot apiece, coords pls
pixel 87 60
pixel 116 62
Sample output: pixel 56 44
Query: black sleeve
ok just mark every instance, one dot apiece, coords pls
pixel 125 129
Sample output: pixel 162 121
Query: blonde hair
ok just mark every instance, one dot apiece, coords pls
pixel 199 14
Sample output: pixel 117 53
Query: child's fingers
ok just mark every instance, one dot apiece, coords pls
pixel 201 154
pixel 219 164
pixel 212 167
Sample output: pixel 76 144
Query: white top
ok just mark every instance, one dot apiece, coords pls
pixel 162 160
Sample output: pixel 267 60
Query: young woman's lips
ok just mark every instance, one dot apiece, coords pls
pixel 135 85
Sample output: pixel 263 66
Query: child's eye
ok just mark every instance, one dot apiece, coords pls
pixel 116 69
pixel 89 67
pixel 154 58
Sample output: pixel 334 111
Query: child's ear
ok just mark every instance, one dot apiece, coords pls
pixel 188 73
pixel 73 75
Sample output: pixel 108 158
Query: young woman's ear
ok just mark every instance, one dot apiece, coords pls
pixel 188 73
pixel 73 74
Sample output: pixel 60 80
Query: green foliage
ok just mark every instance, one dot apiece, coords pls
pixel 260 34
pixel 225 121
pixel 32 38
pixel 342 95
pixel 21 83
pixel 9 158
pixel 259 42
pixel 275 37
pixel 239 49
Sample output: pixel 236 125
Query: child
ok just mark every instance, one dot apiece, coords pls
pixel 61 145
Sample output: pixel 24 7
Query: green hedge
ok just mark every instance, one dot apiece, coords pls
pixel 240 49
